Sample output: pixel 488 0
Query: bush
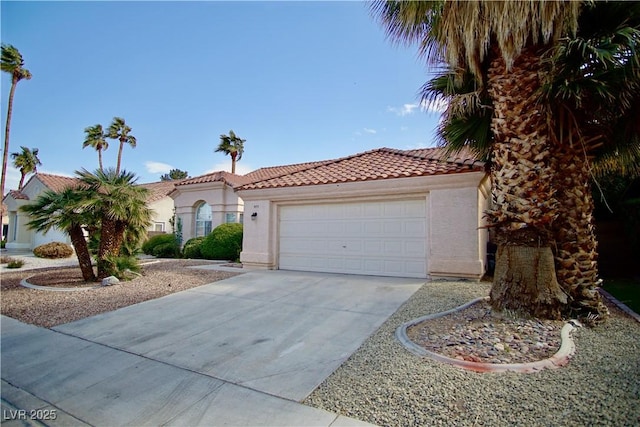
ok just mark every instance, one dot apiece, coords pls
pixel 3 244
pixel 159 239
pixel 192 249
pixel 123 267
pixel 15 263
pixel 167 250
pixel 53 250
pixel 224 242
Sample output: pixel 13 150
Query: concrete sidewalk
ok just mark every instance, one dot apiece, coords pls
pixel 243 351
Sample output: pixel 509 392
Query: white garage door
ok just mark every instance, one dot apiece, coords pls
pixel 375 238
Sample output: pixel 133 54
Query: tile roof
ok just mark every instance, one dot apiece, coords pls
pixel 218 176
pixel 18 195
pixel 159 190
pixel 383 163
pixel 56 182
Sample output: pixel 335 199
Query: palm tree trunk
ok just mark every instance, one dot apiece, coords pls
pixel 233 162
pixel 22 175
pixel 574 231
pixel 100 160
pixel 524 203
pixel 119 157
pixel 5 153
pixel 82 252
pixel 106 247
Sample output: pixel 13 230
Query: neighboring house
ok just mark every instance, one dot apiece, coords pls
pixel 383 212
pixel 19 236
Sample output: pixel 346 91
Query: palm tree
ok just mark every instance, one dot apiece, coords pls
pixel 232 146
pixel 500 44
pixel 12 63
pixel 95 138
pixel 63 210
pixel 120 131
pixel 590 99
pixel 27 162
pixel 121 207
pixel 174 174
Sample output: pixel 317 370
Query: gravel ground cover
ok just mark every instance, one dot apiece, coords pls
pixel 51 308
pixel 385 384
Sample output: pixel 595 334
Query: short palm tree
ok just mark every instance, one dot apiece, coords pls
pixel 232 146
pixel 65 211
pixel 27 162
pixel 121 207
pixel 12 63
pixel 94 137
pixel 119 130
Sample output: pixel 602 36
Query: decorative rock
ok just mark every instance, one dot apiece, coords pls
pixel 109 281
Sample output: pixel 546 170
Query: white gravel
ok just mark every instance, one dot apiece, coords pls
pixel 385 384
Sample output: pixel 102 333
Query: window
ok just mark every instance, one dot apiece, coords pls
pixel 203 220
pixel 230 217
pixel 158 226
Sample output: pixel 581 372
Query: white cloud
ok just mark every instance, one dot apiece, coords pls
pixel 157 167
pixel 372 131
pixel 241 168
pixel 405 110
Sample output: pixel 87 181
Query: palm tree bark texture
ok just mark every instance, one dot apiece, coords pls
pixel 524 204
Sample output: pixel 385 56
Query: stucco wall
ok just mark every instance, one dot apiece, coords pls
pixel 162 212
pixel 20 236
pixel 218 195
pixel 454 213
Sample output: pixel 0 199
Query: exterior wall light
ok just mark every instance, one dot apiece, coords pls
pixel 254 216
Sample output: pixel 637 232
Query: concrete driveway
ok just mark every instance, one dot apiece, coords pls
pixel 242 351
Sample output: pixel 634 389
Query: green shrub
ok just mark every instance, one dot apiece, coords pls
pixel 192 249
pixel 159 239
pixel 123 267
pixel 3 244
pixel 15 263
pixel 53 250
pixel 224 242
pixel 167 250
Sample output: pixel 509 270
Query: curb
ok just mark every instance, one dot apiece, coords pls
pixel 622 306
pixel 559 359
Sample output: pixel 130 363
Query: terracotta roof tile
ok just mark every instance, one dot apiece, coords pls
pixel 159 190
pixel 18 195
pixel 218 176
pixel 383 163
pixel 56 182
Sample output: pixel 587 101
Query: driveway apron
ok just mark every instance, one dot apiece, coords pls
pixel 242 351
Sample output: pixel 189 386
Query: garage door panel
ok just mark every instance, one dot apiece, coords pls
pixel 379 238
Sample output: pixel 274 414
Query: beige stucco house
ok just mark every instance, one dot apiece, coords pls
pixel 204 202
pixel 382 212
pixel 19 236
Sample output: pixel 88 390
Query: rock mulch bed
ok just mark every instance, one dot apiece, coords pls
pixel 477 334
pixel 385 384
pixel 48 308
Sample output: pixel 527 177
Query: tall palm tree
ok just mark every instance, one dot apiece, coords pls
pixel 95 138
pixel 63 210
pixel 12 63
pixel 121 207
pixel 27 162
pixel 590 99
pixel 120 131
pixel 232 146
pixel 500 44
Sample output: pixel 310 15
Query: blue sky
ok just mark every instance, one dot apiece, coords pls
pixel 300 81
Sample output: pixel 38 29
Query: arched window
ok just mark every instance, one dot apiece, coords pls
pixel 203 220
